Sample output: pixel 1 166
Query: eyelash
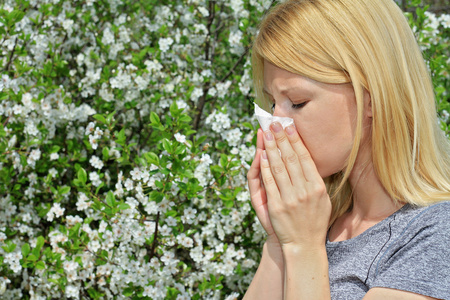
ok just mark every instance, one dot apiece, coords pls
pixel 294 106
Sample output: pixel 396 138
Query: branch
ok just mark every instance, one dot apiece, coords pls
pixel 235 65
pixel 11 55
pixel 155 236
pixel 210 21
pixel 202 100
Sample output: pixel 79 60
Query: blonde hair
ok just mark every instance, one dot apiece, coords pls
pixel 369 44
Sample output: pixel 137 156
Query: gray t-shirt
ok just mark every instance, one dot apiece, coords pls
pixel 409 250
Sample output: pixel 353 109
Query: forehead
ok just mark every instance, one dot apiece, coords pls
pixel 283 80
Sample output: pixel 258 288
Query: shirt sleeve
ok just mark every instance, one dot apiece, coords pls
pixel 418 260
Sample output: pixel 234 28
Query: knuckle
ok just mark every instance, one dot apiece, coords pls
pixel 269 180
pixel 304 156
pixel 291 206
pixel 297 143
pixel 319 189
pixel 281 138
pixel 290 158
pixel 278 210
pixel 265 165
pixel 277 169
pixel 302 196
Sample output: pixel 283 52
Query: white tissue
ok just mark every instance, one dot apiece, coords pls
pixel 265 119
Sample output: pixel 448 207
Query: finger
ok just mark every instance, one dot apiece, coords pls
pixel 309 167
pixel 260 139
pixel 276 164
pixel 270 184
pixel 288 154
pixel 255 183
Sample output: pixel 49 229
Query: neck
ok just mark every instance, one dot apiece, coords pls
pixel 371 202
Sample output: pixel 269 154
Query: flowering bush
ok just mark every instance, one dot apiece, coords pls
pixel 125 138
pixel 433 34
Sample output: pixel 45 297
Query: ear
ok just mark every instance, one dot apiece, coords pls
pixel 367 104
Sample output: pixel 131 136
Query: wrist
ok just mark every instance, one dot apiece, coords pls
pixel 272 249
pixel 272 240
pixel 300 251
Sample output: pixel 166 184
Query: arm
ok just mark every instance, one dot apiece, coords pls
pixel 385 293
pixel 294 209
pixel 269 278
pixel 306 273
pixel 299 209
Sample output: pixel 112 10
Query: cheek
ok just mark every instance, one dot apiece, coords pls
pixel 329 142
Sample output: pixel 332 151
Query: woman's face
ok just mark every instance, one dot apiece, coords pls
pixel 324 115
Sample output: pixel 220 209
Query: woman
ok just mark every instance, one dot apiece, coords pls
pixel 356 204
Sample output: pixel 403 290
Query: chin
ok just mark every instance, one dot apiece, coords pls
pixel 327 172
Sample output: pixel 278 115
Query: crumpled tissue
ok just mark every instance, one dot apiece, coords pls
pixel 265 119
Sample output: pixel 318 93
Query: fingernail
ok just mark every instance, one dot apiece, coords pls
pixel 276 127
pixel 264 154
pixel 290 129
pixel 269 136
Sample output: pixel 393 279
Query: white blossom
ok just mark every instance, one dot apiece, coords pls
pixel 54 156
pixel 164 43
pixel 108 36
pixel 180 137
pixel 96 162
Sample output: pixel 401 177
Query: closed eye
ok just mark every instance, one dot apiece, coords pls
pixel 294 106
pixel 299 105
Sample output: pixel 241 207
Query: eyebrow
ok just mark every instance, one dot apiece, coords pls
pixel 282 92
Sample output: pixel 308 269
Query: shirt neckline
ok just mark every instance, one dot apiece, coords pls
pixel 368 231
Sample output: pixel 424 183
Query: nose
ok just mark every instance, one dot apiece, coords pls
pixel 279 111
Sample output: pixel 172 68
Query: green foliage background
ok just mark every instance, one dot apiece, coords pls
pixel 126 132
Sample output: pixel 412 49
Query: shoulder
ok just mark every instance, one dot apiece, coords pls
pixel 419 227
pixel 416 257
pixel 431 218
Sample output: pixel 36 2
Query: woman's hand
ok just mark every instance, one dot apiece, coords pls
pixel 258 192
pixel 293 202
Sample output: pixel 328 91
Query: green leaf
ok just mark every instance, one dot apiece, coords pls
pixel 111 200
pixel 100 118
pixel 185 118
pixel 223 160
pixel 32 257
pixel 25 249
pixel 121 138
pixel 123 206
pixel 200 140
pixel 167 145
pixel 63 190
pixel 82 176
pixel 152 158
pixel 174 111
pixel 248 125
pixel 39 243
pixel 128 292
pixel 110 117
pixel 73 232
pixel 105 153
pixel 55 149
pixel 10 247
pixel 154 119
pixel 40 265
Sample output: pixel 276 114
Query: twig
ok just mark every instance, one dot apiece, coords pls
pixel 235 66
pixel 11 55
pixel 155 236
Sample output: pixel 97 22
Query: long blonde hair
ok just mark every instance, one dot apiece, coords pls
pixel 369 44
